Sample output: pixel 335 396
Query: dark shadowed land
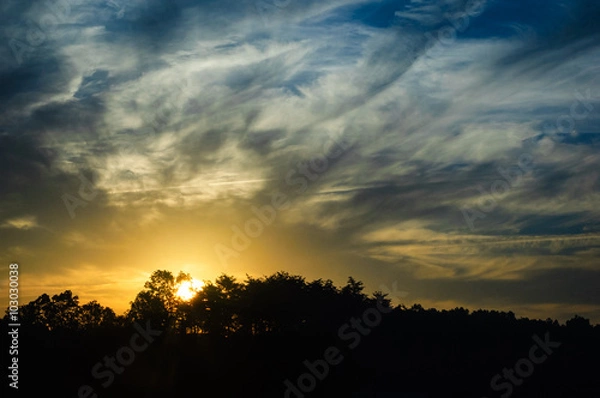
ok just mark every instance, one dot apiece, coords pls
pixel 282 336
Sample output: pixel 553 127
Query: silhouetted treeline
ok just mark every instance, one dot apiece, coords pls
pixel 283 336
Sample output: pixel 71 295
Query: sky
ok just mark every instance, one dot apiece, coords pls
pixel 445 152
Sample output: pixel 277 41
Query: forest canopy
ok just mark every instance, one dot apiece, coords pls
pixel 277 303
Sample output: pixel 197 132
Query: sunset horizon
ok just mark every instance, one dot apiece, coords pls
pixel 450 148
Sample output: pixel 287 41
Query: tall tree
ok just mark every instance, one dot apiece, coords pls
pixel 157 302
pixel 93 315
pixel 62 311
pixel 215 309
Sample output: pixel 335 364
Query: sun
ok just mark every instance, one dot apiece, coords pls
pixel 188 289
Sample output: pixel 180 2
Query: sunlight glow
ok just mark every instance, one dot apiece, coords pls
pixel 188 289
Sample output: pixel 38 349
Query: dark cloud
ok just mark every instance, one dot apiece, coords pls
pixel 93 84
pixel 261 141
pixel 23 164
pixel 568 30
pixel 566 286
pixel 198 149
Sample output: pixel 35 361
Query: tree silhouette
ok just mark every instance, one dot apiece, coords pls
pixel 579 323
pixel 63 311
pixel 265 330
pixel 93 315
pixel 215 309
pixel 34 314
pixel 157 302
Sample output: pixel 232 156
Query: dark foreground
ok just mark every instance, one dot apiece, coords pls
pixel 375 353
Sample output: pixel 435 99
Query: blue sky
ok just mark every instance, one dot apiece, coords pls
pixel 448 146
